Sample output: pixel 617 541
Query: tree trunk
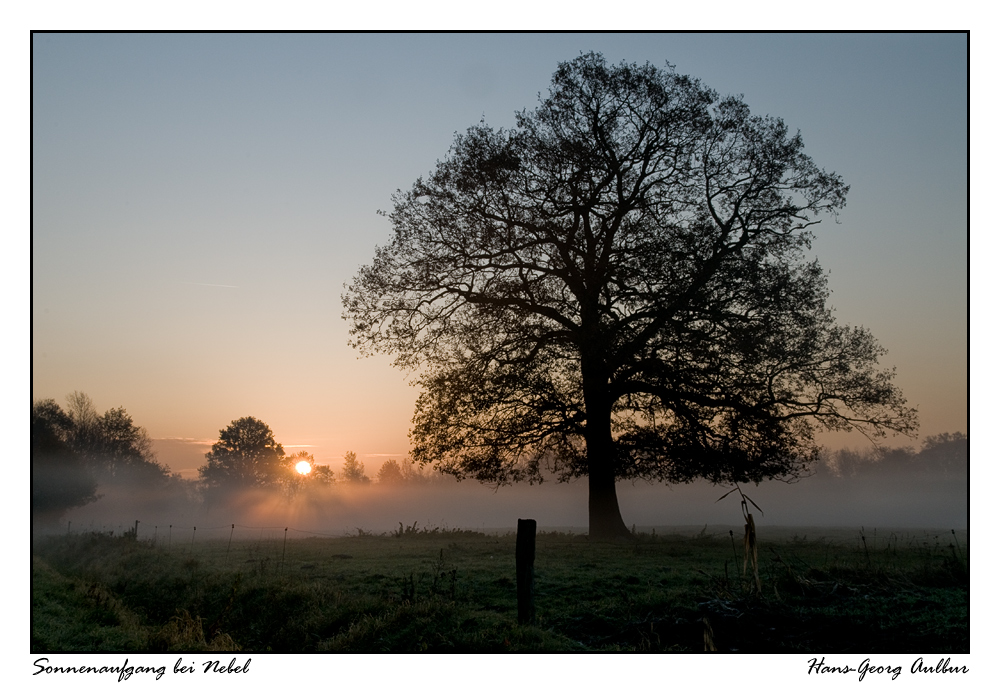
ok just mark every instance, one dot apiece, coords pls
pixel 605 517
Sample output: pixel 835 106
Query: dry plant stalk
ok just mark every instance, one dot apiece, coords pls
pixel 749 534
pixel 709 637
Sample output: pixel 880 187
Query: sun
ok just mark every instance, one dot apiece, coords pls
pixel 303 467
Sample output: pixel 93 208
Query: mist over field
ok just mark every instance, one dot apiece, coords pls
pixel 881 496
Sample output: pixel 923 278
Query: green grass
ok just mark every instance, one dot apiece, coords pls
pixel 455 591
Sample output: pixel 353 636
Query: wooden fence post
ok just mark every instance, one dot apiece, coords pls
pixel 283 545
pixel 524 555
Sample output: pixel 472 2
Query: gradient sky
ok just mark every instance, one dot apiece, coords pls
pixel 200 200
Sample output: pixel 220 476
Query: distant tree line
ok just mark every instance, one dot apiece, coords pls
pixel 392 472
pixel 77 450
pixel 247 455
pixel 945 454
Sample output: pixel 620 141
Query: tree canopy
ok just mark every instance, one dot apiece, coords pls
pixel 59 477
pixel 246 455
pixel 113 446
pixel 75 452
pixel 295 481
pixel 390 473
pixel 354 470
pixel 616 288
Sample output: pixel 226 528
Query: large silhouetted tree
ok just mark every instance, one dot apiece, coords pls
pixel 616 289
pixel 246 455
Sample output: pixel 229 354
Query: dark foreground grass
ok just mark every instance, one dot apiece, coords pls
pixel 455 591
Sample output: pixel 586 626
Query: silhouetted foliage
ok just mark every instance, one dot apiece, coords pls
pixel 946 454
pixel 115 449
pixel 246 455
pixel 353 470
pixel 76 452
pixel 51 428
pixel 390 473
pixel 616 289
pixel 293 481
pixel 59 477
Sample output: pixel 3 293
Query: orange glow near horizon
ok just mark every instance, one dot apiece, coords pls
pixel 303 467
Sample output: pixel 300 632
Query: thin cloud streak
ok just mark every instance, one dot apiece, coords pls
pixel 187 282
pixel 187 440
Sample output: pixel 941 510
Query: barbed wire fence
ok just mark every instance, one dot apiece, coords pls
pixel 206 540
pixel 156 534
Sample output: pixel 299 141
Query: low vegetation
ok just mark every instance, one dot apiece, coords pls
pixel 448 590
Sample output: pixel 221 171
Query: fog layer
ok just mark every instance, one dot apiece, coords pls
pixel 921 500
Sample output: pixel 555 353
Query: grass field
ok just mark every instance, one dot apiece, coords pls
pixel 821 590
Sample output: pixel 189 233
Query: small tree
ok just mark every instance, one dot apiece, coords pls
pixel 391 473
pixel 616 289
pixel 246 455
pixel 353 470
pixel 294 481
pixel 84 435
pixel 124 449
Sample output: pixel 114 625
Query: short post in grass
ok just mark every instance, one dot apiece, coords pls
pixel 231 530
pixel 283 544
pixel 524 555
